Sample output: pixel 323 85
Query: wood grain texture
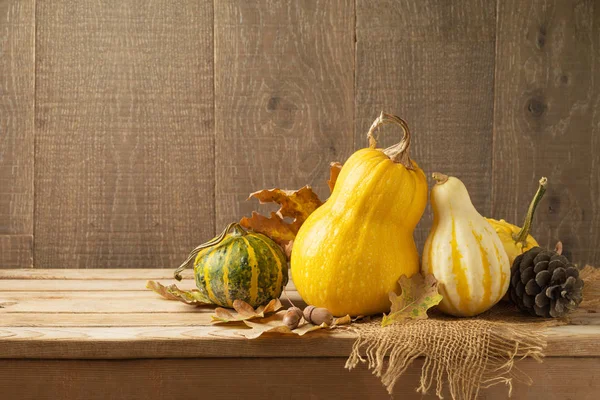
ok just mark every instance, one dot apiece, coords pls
pixel 86 302
pixel 17 36
pixel 431 63
pixel 189 340
pixel 99 320
pixel 183 341
pixel 89 314
pixel 128 173
pixel 281 378
pixel 81 285
pixel 547 120
pixel 124 126
pixel 102 274
pixel 16 251
pixel 283 96
pixel 100 301
pixel 89 285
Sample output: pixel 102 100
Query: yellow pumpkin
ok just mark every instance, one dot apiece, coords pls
pixel 349 254
pixel 463 252
pixel 515 240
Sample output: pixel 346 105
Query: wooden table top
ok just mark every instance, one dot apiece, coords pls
pixel 109 314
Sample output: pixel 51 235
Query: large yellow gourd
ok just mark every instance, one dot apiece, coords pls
pixel 463 252
pixel 349 254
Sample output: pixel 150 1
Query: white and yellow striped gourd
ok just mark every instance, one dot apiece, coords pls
pixel 463 252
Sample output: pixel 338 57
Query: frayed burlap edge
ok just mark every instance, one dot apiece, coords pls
pixel 467 355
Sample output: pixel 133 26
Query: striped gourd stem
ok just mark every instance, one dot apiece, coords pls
pixel 192 256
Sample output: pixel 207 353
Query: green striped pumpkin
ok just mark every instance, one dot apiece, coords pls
pixel 239 265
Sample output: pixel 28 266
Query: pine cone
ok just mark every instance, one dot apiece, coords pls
pixel 544 283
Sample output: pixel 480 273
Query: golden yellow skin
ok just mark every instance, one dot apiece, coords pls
pixel 506 231
pixel 350 253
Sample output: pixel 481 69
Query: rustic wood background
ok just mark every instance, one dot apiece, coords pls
pixel 131 131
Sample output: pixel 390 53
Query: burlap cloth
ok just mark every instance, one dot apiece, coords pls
pixel 467 354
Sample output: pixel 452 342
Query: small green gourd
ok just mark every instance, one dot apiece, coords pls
pixel 238 265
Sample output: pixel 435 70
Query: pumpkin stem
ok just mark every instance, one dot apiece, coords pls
pixel 398 153
pixel 439 178
pixel 237 230
pixel 521 237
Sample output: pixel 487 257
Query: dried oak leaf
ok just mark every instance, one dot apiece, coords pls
pixel 297 204
pixel 275 324
pixel 245 311
pixel 345 320
pixel 418 295
pixel 172 292
pixel 334 172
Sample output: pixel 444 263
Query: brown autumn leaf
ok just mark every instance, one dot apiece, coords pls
pixel 334 172
pixel 297 204
pixel 418 295
pixel 245 311
pixel 274 227
pixel 274 324
pixel 172 292
pixel 345 320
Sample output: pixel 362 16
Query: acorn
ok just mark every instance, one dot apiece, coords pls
pixel 292 317
pixel 318 316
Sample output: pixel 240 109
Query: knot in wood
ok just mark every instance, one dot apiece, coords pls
pixel 536 106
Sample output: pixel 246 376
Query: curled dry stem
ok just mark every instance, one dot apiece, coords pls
pixel 192 256
pixel 398 153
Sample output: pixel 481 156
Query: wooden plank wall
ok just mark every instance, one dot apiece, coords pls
pixel 547 119
pixel 284 74
pixel 442 59
pixel 124 132
pixel 17 66
pixel 132 131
